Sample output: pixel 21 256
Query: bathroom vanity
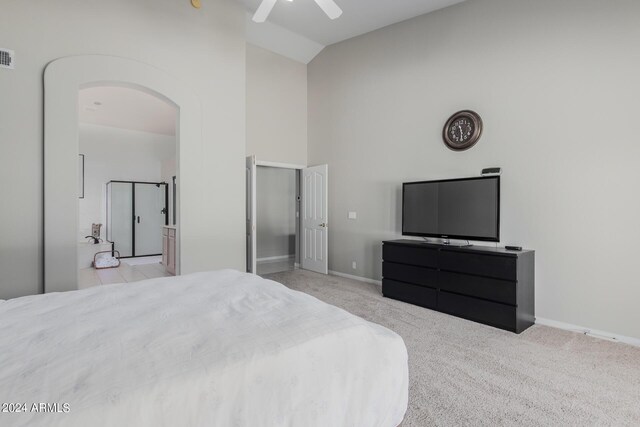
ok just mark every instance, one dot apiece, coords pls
pixel 169 248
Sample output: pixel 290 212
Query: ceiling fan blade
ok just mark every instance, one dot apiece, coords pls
pixel 330 7
pixel 264 10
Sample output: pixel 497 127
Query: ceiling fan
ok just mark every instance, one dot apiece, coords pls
pixel 329 7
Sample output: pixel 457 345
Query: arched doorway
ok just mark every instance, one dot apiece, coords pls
pixel 63 80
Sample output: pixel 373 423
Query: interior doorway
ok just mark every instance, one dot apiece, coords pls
pixel 62 79
pixel 127 140
pixel 277 208
pixel 287 217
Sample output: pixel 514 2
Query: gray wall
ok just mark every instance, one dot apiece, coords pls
pixel 204 49
pixel 557 85
pixel 276 107
pixel 276 212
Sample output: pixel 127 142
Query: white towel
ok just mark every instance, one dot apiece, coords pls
pixel 106 261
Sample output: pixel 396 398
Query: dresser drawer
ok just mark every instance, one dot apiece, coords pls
pixel 500 267
pixel 482 287
pixel 410 274
pixel 413 255
pixel 491 313
pixel 418 295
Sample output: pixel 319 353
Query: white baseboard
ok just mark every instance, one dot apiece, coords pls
pixel 275 258
pixel 358 278
pixel 539 321
pixel 588 331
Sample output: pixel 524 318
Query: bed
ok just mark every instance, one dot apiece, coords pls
pixel 210 349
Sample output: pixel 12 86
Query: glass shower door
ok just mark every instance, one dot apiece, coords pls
pixel 150 217
pixel 120 214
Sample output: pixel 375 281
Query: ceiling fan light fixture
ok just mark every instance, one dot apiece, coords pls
pixel 263 11
pixel 329 7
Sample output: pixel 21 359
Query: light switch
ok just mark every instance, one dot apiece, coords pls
pixel 353 215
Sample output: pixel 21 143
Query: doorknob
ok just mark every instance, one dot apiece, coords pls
pixel 324 225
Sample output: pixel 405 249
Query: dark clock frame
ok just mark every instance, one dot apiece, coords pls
pixel 473 139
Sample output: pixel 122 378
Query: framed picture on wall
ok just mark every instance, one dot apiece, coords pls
pixel 81 176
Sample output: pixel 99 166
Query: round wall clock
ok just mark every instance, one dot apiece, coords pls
pixel 462 130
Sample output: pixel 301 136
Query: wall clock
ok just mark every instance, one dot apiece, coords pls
pixel 462 130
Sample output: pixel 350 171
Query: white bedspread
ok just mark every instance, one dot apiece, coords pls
pixel 209 349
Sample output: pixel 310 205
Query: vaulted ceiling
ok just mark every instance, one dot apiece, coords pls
pixel 305 19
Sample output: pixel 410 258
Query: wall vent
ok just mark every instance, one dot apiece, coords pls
pixel 7 59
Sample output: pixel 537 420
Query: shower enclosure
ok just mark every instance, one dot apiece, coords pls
pixel 136 213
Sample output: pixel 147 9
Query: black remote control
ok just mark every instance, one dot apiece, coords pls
pixel 513 248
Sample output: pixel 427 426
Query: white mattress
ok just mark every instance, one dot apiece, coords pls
pixel 210 349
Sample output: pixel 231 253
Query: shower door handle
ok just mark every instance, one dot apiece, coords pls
pixel 138 220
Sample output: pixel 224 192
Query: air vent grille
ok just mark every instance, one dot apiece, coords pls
pixel 7 58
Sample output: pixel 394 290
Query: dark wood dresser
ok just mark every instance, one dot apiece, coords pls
pixel 489 285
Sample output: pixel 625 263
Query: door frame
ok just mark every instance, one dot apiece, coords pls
pixel 279 165
pixel 251 246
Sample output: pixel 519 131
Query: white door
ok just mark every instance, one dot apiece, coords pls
pixel 251 214
pixel 315 221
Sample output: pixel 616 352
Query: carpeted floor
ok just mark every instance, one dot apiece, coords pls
pixel 464 373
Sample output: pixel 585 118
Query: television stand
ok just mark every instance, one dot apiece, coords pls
pixel 488 285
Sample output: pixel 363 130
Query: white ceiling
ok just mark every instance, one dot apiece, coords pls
pixel 305 18
pixel 126 108
pixel 284 42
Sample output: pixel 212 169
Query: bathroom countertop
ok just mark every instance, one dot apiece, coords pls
pixel 90 243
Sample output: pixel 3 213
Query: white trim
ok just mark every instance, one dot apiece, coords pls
pixel 539 321
pixel 358 278
pixel 588 331
pixel 279 165
pixel 275 258
pixel 251 213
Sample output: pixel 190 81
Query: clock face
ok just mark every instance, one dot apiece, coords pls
pixel 462 130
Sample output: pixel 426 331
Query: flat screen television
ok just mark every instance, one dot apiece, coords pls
pixel 467 209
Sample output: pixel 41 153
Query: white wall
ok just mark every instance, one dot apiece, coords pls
pixel 204 49
pixel 168 170
pixel 113 154
pixel 276 107
pixel 276 212
pixel 557 86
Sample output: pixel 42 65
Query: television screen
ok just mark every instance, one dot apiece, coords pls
pixel 466 208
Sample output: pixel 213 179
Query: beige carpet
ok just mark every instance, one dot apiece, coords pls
pixel 464 373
